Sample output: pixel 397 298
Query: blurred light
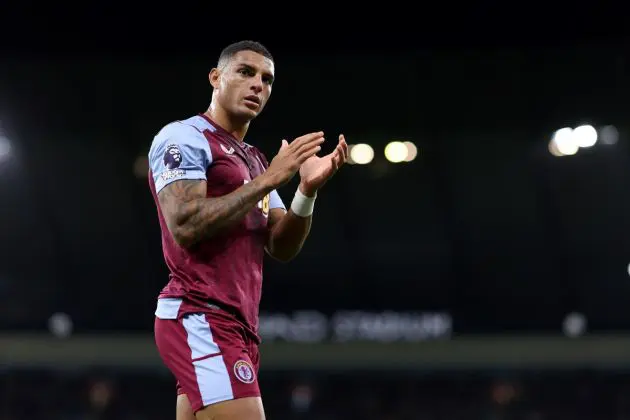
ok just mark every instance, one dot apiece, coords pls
pixel 503 393
pixel 553 149
pixel 396 152
pixel 565 142
pixel 608 135
pixel 60 325
pixel 141 167
pixel 574 324
pixel 5 146
pixel 585 136
pixel 301 398
pixel 361 154
pixel 412 151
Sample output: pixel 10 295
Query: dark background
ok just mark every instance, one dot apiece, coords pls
pixel 485 224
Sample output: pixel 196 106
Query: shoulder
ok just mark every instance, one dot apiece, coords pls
pixel 185 134
pixel 181 131
pixel 178 151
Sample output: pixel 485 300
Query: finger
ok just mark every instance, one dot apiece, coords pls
pixel 334 158
pixel 298 142
pixel 314 142
pixel 306 142
pixel 284 145
pixel 344 146
pixel 341 159
pixel 343 155
pixel 337 154
pixel 335 162
pixel 307 153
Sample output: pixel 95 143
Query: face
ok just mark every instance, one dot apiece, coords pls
pixel 243 86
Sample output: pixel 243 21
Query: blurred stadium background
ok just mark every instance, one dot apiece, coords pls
pixel 472 262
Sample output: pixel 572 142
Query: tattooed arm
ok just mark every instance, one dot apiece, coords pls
pixel 192 217
pixel 179 157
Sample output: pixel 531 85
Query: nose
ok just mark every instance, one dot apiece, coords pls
pixel 257 85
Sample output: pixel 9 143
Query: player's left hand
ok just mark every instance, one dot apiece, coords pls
pixel 315 171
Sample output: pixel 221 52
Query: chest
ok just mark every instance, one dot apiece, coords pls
pixel 233 166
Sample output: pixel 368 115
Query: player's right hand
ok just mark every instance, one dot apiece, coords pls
pixel 291 156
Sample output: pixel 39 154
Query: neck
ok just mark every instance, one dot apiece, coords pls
pixel 236 128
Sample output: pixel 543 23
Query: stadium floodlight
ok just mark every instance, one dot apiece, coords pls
pixel 412 151
pixel 564 142
pixel 553 149
pixel 609 135
pixel 574 324
pixel 60 324
pixel 585 136
pixel 361 154
pixel 396 152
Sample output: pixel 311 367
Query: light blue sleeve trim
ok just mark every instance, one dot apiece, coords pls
pixel 179 151
pixel 275 202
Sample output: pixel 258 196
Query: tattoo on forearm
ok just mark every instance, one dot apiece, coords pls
pixel 191 216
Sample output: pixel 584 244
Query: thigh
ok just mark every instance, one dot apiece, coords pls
pixel 184 410
pixel 249 408
pixel 208 357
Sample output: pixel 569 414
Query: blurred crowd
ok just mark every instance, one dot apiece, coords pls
pixel 135 395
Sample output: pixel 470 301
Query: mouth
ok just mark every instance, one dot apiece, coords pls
pixel 253 98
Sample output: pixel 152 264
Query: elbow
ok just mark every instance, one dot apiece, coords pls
pixel 182 239
pixel 283 249
pixel 183 236
pixel 186 232
pixel 188 236
pixel 282 254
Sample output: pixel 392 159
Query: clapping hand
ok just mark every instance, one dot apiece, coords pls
pixel 316 171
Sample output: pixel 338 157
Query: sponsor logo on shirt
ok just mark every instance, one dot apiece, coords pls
pixel 172 156
pixel 173 173
pixel 263 204
pixel 244 371
pixel 226 150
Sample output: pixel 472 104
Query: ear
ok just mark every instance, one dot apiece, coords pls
pixel 213 76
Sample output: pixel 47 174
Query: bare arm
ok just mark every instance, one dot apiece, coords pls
pixel 290 230
pixel 288 234
pixel 192 217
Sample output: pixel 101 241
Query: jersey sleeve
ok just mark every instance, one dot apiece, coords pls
pixel 179 151
pixel 275 202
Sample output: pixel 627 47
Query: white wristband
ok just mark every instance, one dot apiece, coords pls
pixel 302 205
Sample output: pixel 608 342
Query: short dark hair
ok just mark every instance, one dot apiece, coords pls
pixel 229 51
